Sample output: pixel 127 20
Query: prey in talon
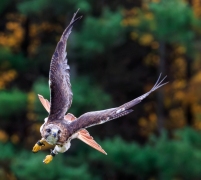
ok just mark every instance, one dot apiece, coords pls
pixel 60 128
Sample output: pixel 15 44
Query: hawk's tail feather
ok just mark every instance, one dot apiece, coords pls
pixel 86 138
pixel 44 102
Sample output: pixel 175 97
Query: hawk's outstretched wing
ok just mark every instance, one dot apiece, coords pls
pixel 99 117
pixel 83 134
pixel 59 78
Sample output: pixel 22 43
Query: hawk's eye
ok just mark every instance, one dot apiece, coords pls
pixel 48 130
pixel 59 131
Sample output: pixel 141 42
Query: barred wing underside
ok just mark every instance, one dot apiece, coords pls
pixel 59 78
pixel 99 117
pixel 83 134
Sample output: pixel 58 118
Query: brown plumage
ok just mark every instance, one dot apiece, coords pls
pixel 59 78
pixel 83 134
pixel 59 128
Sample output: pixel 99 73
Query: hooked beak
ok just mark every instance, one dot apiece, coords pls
pixel 54 134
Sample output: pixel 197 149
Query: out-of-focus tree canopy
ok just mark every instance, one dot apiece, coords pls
pixel 116 52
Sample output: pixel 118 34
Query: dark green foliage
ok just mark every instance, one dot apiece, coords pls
pixel 4 4
pixel 12 102
pixel 29 7
pixel 99 34
pixel 169 28
pixel 56 7
pixel 7 152
pixel 12 60
pixel 28 165
pixel 171 25
pixel 161 157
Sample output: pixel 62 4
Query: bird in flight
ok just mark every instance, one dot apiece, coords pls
pixel 60 128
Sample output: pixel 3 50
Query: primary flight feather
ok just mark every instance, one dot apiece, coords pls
pixel 60 128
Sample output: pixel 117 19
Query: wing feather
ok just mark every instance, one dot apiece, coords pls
pixel 99 117
pixel 83 134
pixel 59 78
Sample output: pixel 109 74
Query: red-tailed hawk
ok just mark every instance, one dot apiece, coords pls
pixel 59 129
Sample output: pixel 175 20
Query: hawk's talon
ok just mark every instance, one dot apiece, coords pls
pixel 36 148
pixel 48 159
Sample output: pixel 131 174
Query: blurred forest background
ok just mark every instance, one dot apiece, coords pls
pixel 116 52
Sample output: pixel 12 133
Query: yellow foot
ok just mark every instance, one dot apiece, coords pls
pixel 36 148
pixel 47 159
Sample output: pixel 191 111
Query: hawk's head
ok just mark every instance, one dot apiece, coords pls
pixel 52 133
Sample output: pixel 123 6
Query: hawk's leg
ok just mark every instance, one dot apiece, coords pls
pixel 38 145
pixel 57 149
pixel 49 158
